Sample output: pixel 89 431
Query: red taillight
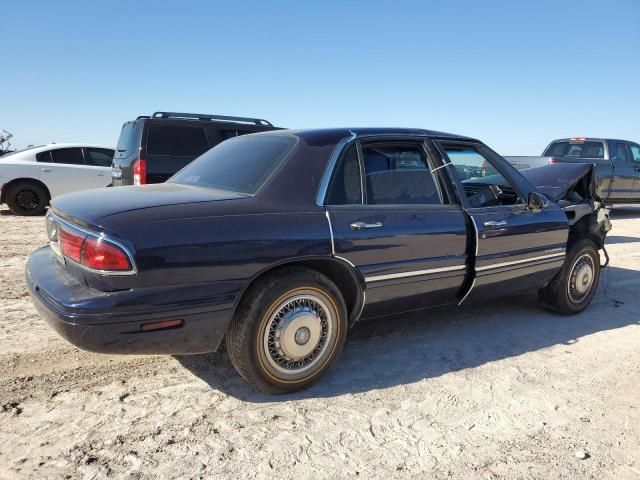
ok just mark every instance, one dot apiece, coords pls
pixel 92 252
pixel 71 243
pixel 101 255
pixel 553 160
pixel 140 172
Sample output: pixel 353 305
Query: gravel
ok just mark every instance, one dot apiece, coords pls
pixel 501 390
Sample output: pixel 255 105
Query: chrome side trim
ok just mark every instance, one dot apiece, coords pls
pixel 524 260
pixel 345 260
pixel 414 273
pixel 473 284
pixel 333 245
pixel 328 171
pixel 100 236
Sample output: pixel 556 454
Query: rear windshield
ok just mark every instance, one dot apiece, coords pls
pixel 128 143
pixel 577 149
pixel 241 164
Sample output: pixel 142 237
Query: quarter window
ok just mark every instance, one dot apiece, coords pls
pixel 345 185
pixel 398 175
pixel 71 156
pixel 177 140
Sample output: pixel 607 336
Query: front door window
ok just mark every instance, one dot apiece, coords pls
pixel 483 185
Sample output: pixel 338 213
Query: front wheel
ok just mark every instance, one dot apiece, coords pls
pixel 573 288
pixel 288 330
pixel 27 198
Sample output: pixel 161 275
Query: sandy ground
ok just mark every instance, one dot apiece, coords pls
pixel 504 390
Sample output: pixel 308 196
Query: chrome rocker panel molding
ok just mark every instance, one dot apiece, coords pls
pixel 414 273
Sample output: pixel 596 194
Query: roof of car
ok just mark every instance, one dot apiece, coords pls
pixel 53 146
pixel 338 133
pixel 591 139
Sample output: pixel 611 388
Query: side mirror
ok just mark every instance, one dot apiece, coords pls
pixel 536 201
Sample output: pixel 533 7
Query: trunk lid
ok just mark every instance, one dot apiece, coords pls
pixel 90 207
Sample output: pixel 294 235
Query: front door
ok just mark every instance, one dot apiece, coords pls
pixel 392 219
pixel 516 249
pixel 67 172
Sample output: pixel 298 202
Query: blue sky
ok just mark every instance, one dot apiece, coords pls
pixel 514 74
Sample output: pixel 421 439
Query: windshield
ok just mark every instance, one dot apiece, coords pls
pixel 242 164
pixel 8 154
pixel 578 149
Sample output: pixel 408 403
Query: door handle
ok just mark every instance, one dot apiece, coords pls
pixel 46 169
pixel 493 223
pixel 100 174
pixel 364 226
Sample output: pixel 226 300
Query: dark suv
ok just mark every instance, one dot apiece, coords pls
pixel 151 149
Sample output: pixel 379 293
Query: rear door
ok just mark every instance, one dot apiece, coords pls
pixel 66 171
pixel 171 146
pixel 624 172
pixel 392 219
pixel 515 249
pixel 634 149
pixel 99 160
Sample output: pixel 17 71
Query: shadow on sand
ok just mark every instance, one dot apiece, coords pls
pixel 405 349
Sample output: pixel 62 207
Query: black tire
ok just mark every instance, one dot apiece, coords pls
pixel 27 198
pixel 261 356
pixel 573 288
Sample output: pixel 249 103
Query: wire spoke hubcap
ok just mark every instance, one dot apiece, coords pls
pixel 581 278
pixel 298 334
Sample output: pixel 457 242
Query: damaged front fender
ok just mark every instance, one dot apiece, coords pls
pixel 572 186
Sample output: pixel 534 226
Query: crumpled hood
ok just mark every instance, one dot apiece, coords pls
pixel 555 180
pixel 92 206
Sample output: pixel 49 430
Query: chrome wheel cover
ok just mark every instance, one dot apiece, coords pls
pixel 581 278
pixel 298 335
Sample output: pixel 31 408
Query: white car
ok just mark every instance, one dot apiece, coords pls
pixel 30 178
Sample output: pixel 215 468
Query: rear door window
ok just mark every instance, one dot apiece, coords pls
pixel 100 157
pixel 398 175
pixel 177 140
pixel 577 149
pixel 635 152
pixel 618 152
pixel 69 156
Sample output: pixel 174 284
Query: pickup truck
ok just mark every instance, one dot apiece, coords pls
pixel 617 164
pixel 280 241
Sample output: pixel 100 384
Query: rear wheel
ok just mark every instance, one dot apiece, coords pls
pixel 288 330
pixel 26 198
pixel 573 288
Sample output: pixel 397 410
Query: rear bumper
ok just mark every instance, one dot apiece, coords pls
pixel 78 314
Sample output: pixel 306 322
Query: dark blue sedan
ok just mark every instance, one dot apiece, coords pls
pixel 280 241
